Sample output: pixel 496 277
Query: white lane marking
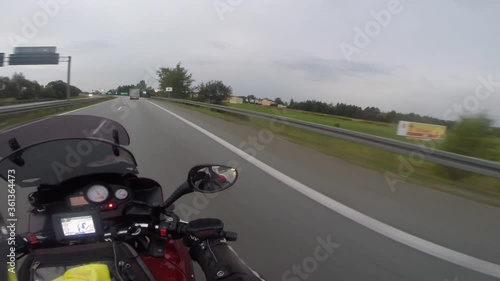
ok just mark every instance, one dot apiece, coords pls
pixel 86 107
pixel 386 230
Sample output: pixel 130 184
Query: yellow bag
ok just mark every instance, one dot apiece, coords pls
pixel 11 275
pixel 89 272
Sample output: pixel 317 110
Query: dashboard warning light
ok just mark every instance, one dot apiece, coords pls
pixel 111 205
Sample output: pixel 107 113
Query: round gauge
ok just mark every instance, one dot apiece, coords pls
pixel 97 193
pixel 121 194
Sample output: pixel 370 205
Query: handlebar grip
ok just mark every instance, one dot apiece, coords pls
pixel 231 236
pixel 201 228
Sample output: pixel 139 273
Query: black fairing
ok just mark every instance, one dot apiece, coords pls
pixel 147 190
pixel 51 199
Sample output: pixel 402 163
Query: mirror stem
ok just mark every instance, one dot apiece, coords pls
pixel 182 190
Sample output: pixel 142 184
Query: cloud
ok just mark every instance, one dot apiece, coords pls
pixel 426 83
pixel 434 50
pixel 88 46
pixel 218 44
pixel 477 4
pixel 330 69
pixel 201 62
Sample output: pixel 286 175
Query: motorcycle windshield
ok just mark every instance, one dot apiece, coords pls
pixel 52 162
pixel 62 127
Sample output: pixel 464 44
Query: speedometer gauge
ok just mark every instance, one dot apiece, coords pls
pixel 97 193
pixel 121 194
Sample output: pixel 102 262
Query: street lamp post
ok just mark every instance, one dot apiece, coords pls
pixel 68 86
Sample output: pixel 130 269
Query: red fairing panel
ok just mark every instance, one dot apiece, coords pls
pixel 162 269
pixel 176 266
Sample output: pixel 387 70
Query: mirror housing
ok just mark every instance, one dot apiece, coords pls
pixel 211 178
pixel 206 179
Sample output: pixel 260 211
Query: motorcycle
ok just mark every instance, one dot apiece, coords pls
pixel 91 205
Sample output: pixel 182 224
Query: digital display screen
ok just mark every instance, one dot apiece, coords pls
pixel 78 225
pixel 77 201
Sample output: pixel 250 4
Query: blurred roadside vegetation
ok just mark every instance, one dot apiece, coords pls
pixel 19 88
pixel 472 136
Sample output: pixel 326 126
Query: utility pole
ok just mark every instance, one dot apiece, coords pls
pixel 68 86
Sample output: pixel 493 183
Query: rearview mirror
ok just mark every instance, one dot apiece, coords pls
pixel 212 178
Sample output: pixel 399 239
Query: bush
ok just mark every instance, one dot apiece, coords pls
pixel 213 92
pixel 472 136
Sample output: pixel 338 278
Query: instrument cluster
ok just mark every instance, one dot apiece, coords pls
pixel 98 197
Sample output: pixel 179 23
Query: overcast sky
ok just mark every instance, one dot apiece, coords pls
pixel 420 56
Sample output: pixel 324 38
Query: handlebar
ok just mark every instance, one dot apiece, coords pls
pixel 205 229
pixel 179 229
pixel 172 228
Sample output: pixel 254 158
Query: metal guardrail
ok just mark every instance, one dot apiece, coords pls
pixel 9 110
pixel 470 164
pixel 19 102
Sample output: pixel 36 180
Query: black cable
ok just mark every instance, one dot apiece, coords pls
pixel 116 263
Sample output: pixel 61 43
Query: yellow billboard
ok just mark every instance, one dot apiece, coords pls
pixel 421 130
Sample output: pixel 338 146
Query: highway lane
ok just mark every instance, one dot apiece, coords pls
pixel 280 228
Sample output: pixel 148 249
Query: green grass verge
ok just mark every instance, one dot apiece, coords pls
pixel 380 129
pixel 14 119
pixel 476 187
pixel 385 130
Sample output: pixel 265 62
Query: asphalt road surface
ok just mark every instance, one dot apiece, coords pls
pixel 286 235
